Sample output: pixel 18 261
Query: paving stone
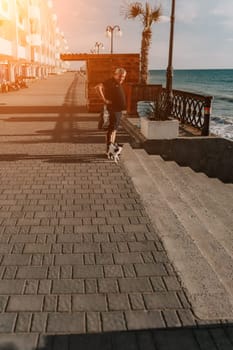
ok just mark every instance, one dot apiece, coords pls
pixel 148 257
pixel 107 285
pixel 102 229
pixel 36 259
pixel 122 237
pixel 93 322
pixel 123 247
pixel 172 283
pixel 9 287
pixel 104 259
pixel 136 301
pixel 186 317
pixel 54 272
pixel 129 270
pixel 44 286
pixel 184 300
pixel 48 259
pixel 5 248
pixel 150 269
pixel 56 248
pixel 31 287
pixel 66 323
pixel 31 272
pixel 67 286
pixel 3 302
pixel 66 238
pixel 25 303
pixel 162 300
pixel 128 285
pixel 50 303
pixel 171 318
pixel 118 302
pixel 135 228
pixel 89 302
pixel 68 259
pixel 101 238
pixel 23 238
pixel 88 271
pixel 91 286
pixel 64 303
pixel 87 248
pixel 17 248
pixel 85 228
pixel 144 319
pixel 109 247
pixel 38 323
pixel 143 246
pixel 37 248
pixel 7 322
pixel 66 272
pixel 113 321
pixel 23 322
pixel 127 258
pixel 113 271
pixel 158 284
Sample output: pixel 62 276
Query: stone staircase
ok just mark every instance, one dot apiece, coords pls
pixel 193 215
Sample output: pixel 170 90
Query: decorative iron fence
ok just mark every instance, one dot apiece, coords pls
pixel 189 108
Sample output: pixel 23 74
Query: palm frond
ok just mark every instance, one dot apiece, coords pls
pixel 132 10
pixel 156 13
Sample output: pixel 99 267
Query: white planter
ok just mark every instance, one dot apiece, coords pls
pixel 159 129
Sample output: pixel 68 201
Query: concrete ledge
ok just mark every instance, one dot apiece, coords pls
pixel 211 155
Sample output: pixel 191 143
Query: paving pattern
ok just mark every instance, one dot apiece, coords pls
pixel 79 256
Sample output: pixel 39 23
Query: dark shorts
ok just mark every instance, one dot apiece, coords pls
pixel 114 120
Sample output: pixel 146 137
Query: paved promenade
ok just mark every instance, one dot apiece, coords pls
pixel 81 265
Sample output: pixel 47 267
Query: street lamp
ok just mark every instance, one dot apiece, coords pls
pixel 109 32
pixel 98 46
pixel 170 68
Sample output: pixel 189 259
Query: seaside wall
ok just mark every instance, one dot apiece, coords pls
pixel 211 155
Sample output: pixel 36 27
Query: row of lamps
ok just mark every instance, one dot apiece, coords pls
pixel 109 33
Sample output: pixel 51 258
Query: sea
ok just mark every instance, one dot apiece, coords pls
pixel 210 82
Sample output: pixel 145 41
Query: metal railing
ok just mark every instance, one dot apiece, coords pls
pixel 189 108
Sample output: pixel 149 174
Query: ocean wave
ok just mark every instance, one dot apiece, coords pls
pixel 222 120
pixel 222 127
pixel 224 98
pixel 223 132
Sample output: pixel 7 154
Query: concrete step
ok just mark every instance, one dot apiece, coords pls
pixel 210 296
pixel 194 217
pixel 216 218
pixel 218 192
pixel 215 195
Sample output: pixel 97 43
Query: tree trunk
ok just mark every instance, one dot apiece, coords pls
pixel 145 45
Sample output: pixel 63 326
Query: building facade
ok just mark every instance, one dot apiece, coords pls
pixel 30 40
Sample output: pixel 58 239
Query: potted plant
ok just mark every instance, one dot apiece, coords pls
pixel 155 120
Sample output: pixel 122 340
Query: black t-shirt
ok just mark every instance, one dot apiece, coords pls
pixel 115 93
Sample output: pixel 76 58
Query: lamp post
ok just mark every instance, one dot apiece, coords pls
pixel 98 45
pixel 170 68
pixel 110 31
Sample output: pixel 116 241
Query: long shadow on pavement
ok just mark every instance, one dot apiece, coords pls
pixel 214 337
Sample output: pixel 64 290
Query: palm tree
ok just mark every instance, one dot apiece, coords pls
pixel 147 15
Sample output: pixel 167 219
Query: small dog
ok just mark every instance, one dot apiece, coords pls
pixel 114 151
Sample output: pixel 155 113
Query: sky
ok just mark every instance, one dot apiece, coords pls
pixel 203 31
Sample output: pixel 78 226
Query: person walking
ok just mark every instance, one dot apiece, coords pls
pixel 113 96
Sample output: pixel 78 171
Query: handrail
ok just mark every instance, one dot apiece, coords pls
pixel 190 108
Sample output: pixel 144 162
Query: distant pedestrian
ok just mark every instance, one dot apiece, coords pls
pixel 113 96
